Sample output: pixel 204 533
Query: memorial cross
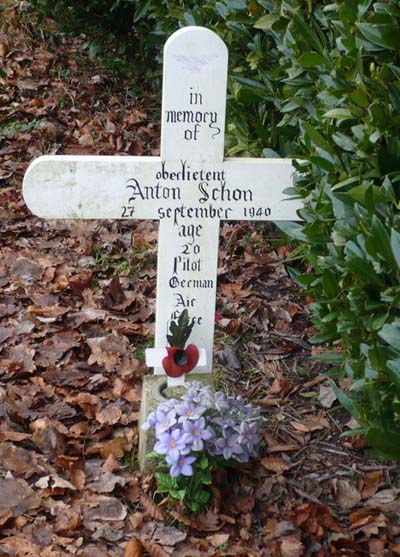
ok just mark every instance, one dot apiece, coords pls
pixel 190 188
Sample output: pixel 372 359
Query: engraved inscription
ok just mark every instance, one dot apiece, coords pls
pixel 210 197
pixel 199 118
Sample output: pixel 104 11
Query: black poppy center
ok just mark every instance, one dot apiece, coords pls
pixel 180 358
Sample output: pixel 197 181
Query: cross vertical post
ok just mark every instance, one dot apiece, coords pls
pixel 192 140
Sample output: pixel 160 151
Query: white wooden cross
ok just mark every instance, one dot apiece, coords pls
pixel 190 188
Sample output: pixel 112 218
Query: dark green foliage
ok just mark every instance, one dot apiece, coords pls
pixel 340 92
pixel 320 81
pixel 107 23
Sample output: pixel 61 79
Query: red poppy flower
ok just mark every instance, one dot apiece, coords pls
pixel 180 360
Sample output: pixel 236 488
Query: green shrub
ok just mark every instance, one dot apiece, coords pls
pixel 341 93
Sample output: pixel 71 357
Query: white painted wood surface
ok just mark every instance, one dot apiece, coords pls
pixel 190 188
pixel 194 93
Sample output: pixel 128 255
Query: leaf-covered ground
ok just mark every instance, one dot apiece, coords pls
pixel 77 307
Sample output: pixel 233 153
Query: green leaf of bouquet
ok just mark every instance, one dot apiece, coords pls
pixel 178 494
pixel 206 477
pixel 193 506
pixel 202 497
pixel 141 10
pixel 381 240
pixel 270 153
pixel 165 483
pixel 306 31
pixel 170 340
pixel 202 462
pixel 153 454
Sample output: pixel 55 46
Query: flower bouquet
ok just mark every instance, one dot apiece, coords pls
pixel 202 431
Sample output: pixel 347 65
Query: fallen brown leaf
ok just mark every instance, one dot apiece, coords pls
pixel 216 540
pixel 367 520
pixel 314 518
pixel 275 464
pixel 151 508
pixel 134 548
pixel 207 521
pixel 311 423
pixel 47 438
pixel 54 483
pixel 155 550
pixel 233 291
pixel 16 495
pixel 347 495
pixel 383 497
pixel 291 546
pixel 280 386
pixel 114 447
pixel 283 448
pixel 101 507
pixel 168 535
pixel 3 49
pixel 326 395
pixel 5 516
pixel 19 461
pixel 240 504
pixel 136 520
pixel 371 483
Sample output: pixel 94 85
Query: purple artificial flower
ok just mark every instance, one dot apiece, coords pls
pixel 164 421
pixel 248 436
pixel 170 444
pixel 188 410
pixel 198 394
pixel 182 465
pixel 192 392
pixel 167 405
pixel 237 402
pixel 228 445
pixel 252 411
pixel 150 422
pixel 223 422
pixel 195 433
pixel 220 401
pixel 206 398
pixel 242 457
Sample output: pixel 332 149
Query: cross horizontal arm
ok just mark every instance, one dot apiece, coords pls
pixel 87 187
pixel 254 189
pixel 103 187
